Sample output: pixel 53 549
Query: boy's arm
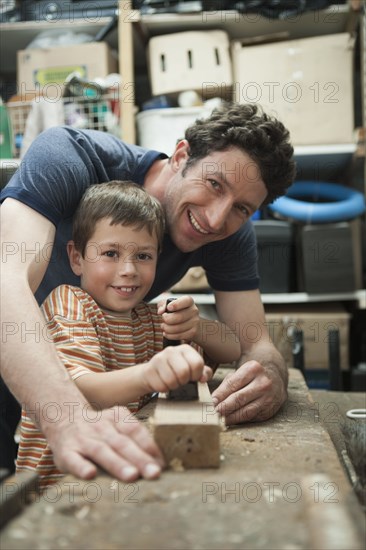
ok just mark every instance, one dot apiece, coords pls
pixel 75 334
pixel 35 375
pixel 168 369
pixel 120 387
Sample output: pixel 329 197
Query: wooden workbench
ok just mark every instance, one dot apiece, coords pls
pixel 280 486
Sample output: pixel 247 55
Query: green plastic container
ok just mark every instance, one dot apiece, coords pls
pixel 6 137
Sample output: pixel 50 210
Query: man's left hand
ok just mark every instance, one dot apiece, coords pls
pixel 251 393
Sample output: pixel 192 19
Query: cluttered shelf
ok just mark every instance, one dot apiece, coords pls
pixel 319 161
pixel 358 296
pixel 136 27
pixel 335 18
pixel 342 151
pixel 16 36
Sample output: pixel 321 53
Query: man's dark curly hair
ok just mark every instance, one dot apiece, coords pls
pixel 262 137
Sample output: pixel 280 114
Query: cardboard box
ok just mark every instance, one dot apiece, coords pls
pixel 43 70
pixel 306 83
pixel 315 321
pixel 192 60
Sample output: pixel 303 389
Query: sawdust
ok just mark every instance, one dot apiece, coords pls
pixel 176 465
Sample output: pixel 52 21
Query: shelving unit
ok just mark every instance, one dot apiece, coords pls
pixel 134 31
pixel 131 38
pixel 17 36
pixel 358 296
pixel 336 18
pixel 322 161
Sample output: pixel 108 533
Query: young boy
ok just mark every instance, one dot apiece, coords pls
pixel 104 326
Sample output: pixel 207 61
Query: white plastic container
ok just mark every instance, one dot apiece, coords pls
pixel 160 129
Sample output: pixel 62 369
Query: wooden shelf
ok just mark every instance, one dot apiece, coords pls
pixel 17 36
pixel 323 162
pixel 131 37
pixel 135 29
pixel 331 20
pixel 284 298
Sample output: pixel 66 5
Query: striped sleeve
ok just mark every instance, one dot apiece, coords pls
pixel 72 325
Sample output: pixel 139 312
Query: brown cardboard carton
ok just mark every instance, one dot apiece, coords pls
pixel 45 70
pixel 191 60
pixel 307 83
pixel 315 321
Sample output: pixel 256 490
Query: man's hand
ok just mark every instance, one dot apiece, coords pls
pixel 259 387
pixel 251 393
pixel 115 440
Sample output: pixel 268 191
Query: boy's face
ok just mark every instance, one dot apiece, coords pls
pixel 118 267
pixel 213 199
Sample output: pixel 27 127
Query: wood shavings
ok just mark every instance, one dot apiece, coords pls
pixel 83 512
pixel 176 465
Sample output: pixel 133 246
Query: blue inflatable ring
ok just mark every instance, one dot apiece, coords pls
pixel 344 203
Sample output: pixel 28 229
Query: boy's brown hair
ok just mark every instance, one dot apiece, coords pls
pixel 125 203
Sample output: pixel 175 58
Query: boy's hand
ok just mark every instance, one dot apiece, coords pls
pixel 181 319
pixel 174 367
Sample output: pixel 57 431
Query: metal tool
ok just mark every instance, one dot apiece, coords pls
pixel 298 350
pixel 166 341
pixel 335 373
pixel 189 391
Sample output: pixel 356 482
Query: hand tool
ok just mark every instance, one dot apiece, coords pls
pixel 187 392
pixel 187 426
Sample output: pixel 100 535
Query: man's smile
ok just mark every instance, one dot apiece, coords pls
pixel 196 225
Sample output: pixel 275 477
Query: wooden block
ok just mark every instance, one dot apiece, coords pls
pixel 188 431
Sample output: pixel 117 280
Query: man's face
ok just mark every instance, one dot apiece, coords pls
pixel 216 196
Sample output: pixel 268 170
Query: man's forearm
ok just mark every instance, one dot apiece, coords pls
pixel 30 366
pixel 218 341
pixel 269 357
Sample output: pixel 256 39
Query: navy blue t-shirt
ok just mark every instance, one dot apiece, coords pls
pixel 63 162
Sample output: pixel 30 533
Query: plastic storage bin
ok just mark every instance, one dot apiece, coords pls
pixel 276 255
pixel 160 129
pixel 329 257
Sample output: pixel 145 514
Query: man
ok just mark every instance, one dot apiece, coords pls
pixel 218 176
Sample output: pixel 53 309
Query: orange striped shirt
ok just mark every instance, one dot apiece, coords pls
pixel 88 339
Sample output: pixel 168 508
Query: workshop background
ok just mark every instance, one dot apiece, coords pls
pixel 145 69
